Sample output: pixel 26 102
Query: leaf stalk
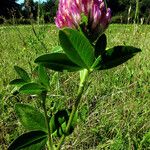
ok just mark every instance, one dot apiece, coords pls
pixel 50 140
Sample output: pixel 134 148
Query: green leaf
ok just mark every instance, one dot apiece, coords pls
pixel 146 139
pixel 17 82
pixel 116 56
pixel 100 45
pixel 43 76
pixel 97 61
pixel 22 73
pixel 57 62
pixel 58 123
pixel 60 131
pixel 57 49
pixel 74 121
pixel 34 140
pixel 60 117
pixel 30 117
pixel 52 124
pixel 77 47
pixel 55 129
pixel 32 88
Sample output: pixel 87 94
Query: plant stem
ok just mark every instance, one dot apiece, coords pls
pixel 136 18
pixel 83 77
pixel 50 142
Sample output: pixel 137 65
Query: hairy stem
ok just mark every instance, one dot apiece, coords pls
pixel 50 141
pixel 83 78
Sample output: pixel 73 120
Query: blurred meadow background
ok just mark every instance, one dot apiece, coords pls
pixel 114 112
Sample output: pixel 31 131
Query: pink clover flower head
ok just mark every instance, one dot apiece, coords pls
pixel 70 14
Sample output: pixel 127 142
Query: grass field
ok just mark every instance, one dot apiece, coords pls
pixel 114 110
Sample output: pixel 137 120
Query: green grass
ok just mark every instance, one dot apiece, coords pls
pixel 115 107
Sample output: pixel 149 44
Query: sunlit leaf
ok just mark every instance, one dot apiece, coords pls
pixel 32 88
pixel 57 62
pixel 77 47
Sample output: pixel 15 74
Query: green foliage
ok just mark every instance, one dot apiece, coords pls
pixel 57 49
pixel 18 82
pixel 24 77
pixel 32 88
pixel 60 117
pixel 59 120
pixel 116 56
pixel 57 62
pixel 77 47
pixel 22 73
pixel 80 51
pixel 31 118
pixel 117 113
pixel 43 76
pixel 145 141
pixel 29 141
